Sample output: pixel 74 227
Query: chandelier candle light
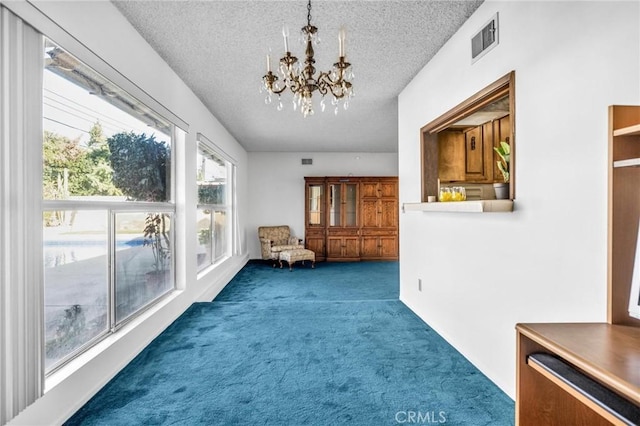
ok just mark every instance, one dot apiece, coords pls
pixel 301 79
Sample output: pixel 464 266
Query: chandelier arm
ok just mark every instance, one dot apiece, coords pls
pixel 322 86
pixel 325 78
pixel 338 95
pixel 269 80
pixel 334 86
pixel 296 84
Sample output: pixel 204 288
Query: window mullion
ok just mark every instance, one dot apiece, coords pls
pixel 212 232
pixel 112 270
pixel 108 205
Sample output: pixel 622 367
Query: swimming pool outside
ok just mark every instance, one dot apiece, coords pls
pixel 81 247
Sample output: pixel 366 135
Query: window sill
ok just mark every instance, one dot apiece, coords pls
pixel 82 360
pixel 479 206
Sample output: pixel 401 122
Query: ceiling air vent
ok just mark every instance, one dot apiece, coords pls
pixel 485 40
pixel 307 161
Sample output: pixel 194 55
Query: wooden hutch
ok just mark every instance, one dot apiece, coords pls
pixel 352 218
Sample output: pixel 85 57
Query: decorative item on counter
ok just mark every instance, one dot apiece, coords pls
pixel 445 194
pixel 458 193
pixel 455 193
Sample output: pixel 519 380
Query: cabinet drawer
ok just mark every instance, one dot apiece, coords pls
pixel 379 232
pixel 343 232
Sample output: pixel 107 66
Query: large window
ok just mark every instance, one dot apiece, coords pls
pixel 215 177
pixel 108 209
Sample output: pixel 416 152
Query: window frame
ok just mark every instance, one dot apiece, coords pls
pixel 203 144
pixel 112 208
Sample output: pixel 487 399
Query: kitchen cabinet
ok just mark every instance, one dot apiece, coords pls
pixel 451 156
pixel 468 156
pixel 474 155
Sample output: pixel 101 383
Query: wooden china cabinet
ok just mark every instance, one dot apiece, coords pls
pixel 352 218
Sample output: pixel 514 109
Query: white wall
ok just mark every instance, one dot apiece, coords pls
pixel 101 28
pixel 546 261
pixel 276 184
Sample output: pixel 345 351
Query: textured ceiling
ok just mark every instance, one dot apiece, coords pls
pixel 218 48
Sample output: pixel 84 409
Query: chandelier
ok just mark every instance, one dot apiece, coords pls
pixel 301 79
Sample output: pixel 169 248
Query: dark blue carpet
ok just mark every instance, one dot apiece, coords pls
pixel 320 347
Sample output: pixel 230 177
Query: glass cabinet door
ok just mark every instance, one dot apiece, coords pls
pixel 335 205
pixel 314 204
pixel 351 204
pixel 343 204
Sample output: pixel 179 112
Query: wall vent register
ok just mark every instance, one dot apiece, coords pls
pixel 307 161
pixel 485 39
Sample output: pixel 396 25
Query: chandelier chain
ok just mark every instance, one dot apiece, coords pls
pixel 309 13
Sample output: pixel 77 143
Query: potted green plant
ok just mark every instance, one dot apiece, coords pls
pixel 504 152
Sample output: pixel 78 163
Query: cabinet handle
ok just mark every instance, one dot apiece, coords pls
pixel 473 143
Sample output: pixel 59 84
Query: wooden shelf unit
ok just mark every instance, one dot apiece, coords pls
pixel 623 210
pixel 628 131
pixel 608 353
pixel 631 162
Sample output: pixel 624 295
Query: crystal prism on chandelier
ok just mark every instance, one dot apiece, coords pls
pixel 301 80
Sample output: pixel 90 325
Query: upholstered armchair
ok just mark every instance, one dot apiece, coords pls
pixel 274 239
